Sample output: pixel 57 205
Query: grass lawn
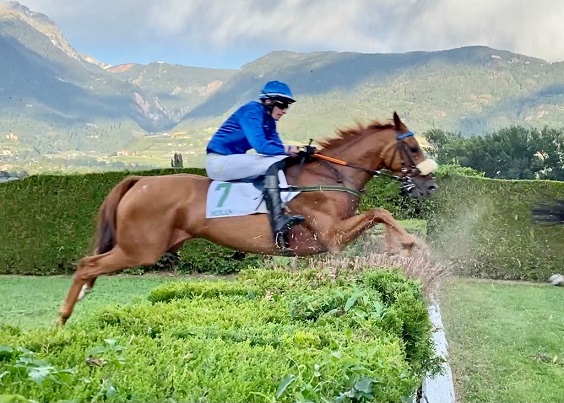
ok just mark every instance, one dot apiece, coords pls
pixel 506 340
pixel 31 302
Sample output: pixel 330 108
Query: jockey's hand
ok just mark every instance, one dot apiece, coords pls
pixel 306 152
pixel 292 150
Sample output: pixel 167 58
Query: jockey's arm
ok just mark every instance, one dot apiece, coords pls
pixel 252 125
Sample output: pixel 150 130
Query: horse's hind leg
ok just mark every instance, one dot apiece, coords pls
pixel 179 237
pixel 89 269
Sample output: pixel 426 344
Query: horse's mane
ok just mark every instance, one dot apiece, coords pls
pixel 346 135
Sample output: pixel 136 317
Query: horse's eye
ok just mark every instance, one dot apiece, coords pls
pixel 414 149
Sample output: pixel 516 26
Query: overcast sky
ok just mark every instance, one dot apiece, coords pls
pixel 230 33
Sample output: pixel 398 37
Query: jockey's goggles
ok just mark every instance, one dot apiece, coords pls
pixel 282 104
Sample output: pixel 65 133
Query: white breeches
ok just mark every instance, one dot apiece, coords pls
pixel 239 166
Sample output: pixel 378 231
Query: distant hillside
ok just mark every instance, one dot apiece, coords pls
pixel 473 90
pixel 176 89
pixel 55 101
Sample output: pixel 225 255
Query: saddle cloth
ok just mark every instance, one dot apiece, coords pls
pixel 235 198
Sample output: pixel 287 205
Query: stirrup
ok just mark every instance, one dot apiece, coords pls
pixel 281 237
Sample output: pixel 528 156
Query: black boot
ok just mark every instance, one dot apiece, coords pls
pixel 279 222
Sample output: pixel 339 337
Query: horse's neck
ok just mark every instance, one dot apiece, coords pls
pixel 359 154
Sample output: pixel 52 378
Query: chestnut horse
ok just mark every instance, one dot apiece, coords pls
pixel 145 216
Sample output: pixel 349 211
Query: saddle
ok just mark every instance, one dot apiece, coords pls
pixel 242 197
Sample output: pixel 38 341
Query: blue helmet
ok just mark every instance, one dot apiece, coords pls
pixel 278 90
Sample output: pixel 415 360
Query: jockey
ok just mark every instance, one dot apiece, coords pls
pixel 253 126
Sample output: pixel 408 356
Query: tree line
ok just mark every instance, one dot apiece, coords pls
pixel 515 152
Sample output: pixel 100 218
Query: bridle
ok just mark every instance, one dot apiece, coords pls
pixel 408 166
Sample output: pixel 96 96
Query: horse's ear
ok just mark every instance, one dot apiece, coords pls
pixel 398 123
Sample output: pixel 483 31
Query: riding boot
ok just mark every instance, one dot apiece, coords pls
pixel 279 222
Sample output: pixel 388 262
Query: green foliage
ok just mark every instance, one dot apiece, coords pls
pixel 48 222
pixel 483 228
pixel 202 256
pixel 390 284
pixel 449 170
pixel 315 305
pixel 385 193
pixel 515 152
pixel 407 314
pixel 168 292
pixel 215 341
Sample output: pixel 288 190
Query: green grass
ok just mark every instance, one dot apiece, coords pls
pixel 31 302
pixel 503 338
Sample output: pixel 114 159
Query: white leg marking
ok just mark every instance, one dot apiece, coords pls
pixel 83 291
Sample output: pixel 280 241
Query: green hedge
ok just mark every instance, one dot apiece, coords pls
pixel 47 224
pixel 48 221
pixel 385 193
pixel 268 336
pixel 484 228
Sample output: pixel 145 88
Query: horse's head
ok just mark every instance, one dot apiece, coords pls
pixel 370 149
pixel 403 155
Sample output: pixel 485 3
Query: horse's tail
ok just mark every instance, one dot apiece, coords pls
pixel 549 212
pixel 105 238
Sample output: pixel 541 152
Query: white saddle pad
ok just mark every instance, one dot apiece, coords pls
pixel 231 199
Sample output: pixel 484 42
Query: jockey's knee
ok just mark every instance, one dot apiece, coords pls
pixel 274 168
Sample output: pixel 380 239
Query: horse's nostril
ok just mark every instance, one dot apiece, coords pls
pixel 432 188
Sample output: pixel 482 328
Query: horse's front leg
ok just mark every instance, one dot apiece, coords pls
pixel 335 235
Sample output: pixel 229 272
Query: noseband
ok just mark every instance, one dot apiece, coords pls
pixel 409 168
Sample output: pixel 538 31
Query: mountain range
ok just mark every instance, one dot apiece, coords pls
pixel 57 101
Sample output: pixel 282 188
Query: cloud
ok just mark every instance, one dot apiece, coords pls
pixel 531 27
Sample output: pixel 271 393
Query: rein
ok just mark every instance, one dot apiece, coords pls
pixel 406 181
pixel 354 166
pixel 321 188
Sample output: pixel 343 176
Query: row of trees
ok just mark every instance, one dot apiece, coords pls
pixel 511 153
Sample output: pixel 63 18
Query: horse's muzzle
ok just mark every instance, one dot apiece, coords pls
pixel 419 186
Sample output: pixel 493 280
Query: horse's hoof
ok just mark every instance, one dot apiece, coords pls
pixel 406 252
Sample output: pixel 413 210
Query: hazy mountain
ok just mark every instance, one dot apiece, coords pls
pixel 48 89
pixel 176 89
